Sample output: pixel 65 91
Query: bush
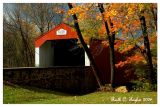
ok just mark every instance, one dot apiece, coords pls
pixel 142 82
pixel 140 86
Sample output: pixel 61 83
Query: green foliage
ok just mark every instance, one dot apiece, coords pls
pixel 89 28
pixel 140 86
pixel 142 81
pixel 154 55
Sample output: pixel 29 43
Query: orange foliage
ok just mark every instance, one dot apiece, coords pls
pixel 81 11
pixel 153 39
pixel 102 30
pixel 132 59
pixel 125 53
pixel 128 58
pixel 105 43
pixel 127 48
pixel 124 16
pixel 117 44
pixel 86 39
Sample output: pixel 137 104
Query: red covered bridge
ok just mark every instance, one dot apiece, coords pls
pixel 59 47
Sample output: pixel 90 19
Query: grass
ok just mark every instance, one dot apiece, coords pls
pixel 31 95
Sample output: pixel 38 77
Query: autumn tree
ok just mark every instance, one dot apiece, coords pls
pixel 93 65
pixel 118 23
pixel 135 27
pixel 142 11
pixel 147 49
pixel 111 38
pixel 153 9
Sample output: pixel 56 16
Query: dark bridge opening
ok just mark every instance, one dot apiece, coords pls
pixel 68 53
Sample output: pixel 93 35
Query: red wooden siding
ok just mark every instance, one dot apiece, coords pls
pixel 102 58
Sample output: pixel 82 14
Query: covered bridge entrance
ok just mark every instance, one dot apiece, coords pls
pixel 59 47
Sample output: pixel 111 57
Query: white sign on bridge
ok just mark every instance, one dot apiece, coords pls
pixel 61 32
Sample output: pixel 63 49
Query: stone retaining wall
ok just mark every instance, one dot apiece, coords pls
pixel 67 79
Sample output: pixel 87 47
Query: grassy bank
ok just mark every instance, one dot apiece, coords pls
pixel 26 95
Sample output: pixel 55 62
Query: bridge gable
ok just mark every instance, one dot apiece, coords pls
pixel 60 32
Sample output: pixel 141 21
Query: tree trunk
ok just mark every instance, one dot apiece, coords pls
pixel 154 15
pixel 111 37
pixel 147 49
pixel 93 64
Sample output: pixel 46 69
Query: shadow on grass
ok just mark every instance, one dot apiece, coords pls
pixel 42 90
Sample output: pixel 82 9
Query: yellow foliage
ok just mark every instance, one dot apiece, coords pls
pixel 130 11
pixel 98 17
pixel 141 7
pixel 113 12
